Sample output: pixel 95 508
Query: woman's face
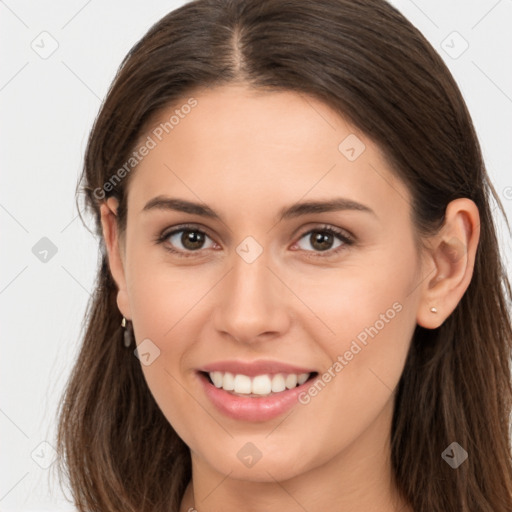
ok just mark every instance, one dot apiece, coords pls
pixel 259 292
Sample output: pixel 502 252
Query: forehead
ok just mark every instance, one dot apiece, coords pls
pixel 254 147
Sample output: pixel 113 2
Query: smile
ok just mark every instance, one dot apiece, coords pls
pixel 259 385
pixel 268 391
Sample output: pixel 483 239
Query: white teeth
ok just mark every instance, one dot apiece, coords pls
pixel 291 381
pixel 278 383
pixel 261 385
pixel 229 381
pixel 258 385
pixel 242 384
pixel 303 377
pixel 216 379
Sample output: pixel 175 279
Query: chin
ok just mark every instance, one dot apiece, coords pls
pixel 267 464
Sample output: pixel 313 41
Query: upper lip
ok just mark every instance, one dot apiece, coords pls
pixel 254 368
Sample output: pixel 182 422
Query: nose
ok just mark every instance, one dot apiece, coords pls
pixel 252 302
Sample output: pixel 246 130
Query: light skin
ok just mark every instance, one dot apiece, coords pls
pixel 247 155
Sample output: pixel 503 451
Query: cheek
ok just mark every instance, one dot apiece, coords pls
pixel 372 320
pixel 365 315
pixel 163 309
pixel 163 295
pixel 167 310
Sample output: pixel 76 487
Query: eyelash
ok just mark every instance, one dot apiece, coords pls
pixel 341 235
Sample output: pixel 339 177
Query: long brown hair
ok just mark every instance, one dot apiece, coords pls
pixel 367 62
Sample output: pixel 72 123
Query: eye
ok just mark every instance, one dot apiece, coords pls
pixel 323 238
pixel 185 239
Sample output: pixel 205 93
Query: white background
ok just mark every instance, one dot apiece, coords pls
pixel 47 109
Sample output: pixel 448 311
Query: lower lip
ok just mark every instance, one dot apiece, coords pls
pixel 252 409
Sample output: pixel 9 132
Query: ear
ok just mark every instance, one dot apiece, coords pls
pixel 116 257
pixel 449 263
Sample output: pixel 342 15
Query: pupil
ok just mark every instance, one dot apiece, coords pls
pixel 192 239
pixel 322 238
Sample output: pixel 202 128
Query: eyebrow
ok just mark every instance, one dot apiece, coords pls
pixel 293 211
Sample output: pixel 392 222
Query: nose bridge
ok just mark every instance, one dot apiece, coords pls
pixel 253 301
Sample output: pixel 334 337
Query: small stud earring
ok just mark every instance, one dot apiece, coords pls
pixel 434 310
pixel 128 330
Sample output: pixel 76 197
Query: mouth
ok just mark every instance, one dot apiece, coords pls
pixel 257 397
pixel 257 386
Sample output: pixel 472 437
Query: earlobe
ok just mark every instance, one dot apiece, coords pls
pixel 450 263
pixel 108 211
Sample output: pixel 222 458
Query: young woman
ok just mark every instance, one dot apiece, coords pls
pixel 301 303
